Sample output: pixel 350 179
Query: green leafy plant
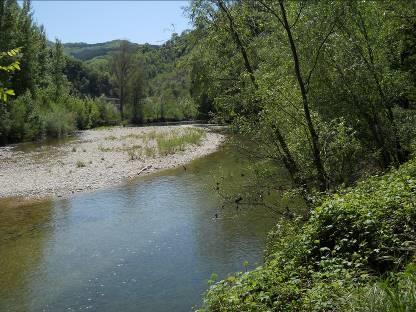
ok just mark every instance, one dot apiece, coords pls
pixel 12 66
pixel 352 239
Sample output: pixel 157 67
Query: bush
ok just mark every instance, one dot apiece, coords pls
pixel 29 118
pixel 395 294
pixel 58 122
pixel 175 142
pixel 107 114
pixel 350 240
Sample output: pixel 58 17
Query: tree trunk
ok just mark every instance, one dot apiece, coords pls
pixel 288 159
pixel 239 43
pixel 122 102
pixel 314 136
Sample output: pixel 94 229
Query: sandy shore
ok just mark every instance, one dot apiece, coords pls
pixel 94 159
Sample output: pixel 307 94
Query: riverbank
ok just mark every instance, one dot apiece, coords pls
pixel 100 158
pixel 355 253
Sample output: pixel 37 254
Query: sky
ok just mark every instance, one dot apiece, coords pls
pixel 99 21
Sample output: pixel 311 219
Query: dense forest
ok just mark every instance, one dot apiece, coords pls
pixel 324 89
pixel 55 88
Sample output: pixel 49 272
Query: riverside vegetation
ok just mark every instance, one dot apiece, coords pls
pixel 355 253
pixel 325 90
pixel 54 89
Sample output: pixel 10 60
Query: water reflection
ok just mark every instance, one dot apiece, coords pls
pixel 23 236
pixel 149 245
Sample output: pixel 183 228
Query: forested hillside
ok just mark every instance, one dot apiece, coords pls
pixel 164 71
pixel 53 89
pixel 87 51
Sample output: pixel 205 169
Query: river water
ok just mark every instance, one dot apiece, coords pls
pixel 148 245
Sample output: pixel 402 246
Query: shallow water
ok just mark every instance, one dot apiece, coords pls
pixel 149 245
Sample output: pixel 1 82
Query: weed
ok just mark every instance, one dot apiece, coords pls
pixel 80 164
pixel 110 138
pixel 105 149
pixel 176 142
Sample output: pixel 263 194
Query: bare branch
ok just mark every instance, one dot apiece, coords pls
pixel 301 5
pixel 273 12
pixel 318 54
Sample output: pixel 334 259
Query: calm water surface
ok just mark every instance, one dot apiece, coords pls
pixel 149 245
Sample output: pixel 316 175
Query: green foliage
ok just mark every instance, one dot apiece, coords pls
pixel 350 240
pixel 8 68
pixel 57 122
pixel 86 80
pixel 32 118
pixel 395 294
pixel 175 142
pixel 58 87
pixel 86 52
pixel 157 81
pixel 342 152
pixel 352 59
pixel 80 164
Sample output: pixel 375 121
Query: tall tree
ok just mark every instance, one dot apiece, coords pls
pixel 137 91
pixel 58 65
pixel 281 14
pixel 121 66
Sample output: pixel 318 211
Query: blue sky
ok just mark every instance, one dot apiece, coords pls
pixel 99 21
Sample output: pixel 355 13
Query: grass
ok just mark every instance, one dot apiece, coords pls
pixel 134 152
pixel 105 149
pixel 110 138
pixel 132 136
pixel 101 128
pixel 151 135
pixel 396 295
pixel 150 152
pixel 175 142
pixel 155 143
pixel 80 164
pixel 143 136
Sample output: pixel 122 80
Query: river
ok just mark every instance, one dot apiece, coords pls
pixel 147 245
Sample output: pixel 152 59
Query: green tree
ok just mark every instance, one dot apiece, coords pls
pixel 121 66
pixel 137 91
pixel 59 80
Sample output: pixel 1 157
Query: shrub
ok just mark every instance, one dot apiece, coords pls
pixel 31 117
pixel 80 164
pixel 352 239
pixel 107 114
pixel 58 122
pixel 175 142
pixel 395 294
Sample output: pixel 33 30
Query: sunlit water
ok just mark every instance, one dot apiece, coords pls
pixel 149 245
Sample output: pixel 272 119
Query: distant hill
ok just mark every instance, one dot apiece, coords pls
pixel 86 51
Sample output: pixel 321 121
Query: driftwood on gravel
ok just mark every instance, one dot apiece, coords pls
pixel 144 169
